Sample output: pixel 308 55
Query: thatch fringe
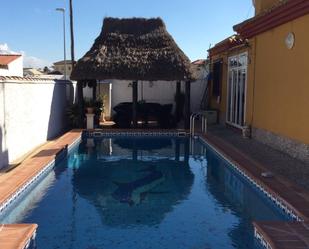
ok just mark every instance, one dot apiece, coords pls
pixel 133 49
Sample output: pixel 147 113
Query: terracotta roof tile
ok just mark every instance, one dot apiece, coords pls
pixel 6 59
pixel 199 62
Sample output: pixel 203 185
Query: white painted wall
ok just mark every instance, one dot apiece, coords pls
pixel 87 92
pixel 34 112
pixel 162 92
pixel 3 149
pixel 198 87
pixel 15 68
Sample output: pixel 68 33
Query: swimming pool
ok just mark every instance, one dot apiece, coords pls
pixel 144 192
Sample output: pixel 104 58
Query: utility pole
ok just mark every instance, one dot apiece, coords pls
pixel 72 34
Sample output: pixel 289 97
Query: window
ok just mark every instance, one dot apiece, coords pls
pixel 237 84
pixel 217 78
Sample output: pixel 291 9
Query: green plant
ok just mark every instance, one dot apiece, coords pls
pixel 73 115
pixel 89 103
pixel 98 106
pixel 102 99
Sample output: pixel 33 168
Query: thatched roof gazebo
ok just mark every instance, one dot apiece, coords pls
pixel 135 49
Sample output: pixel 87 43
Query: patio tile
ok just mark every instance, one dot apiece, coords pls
pixel 285 235
pixel 16 236
pixel 10 182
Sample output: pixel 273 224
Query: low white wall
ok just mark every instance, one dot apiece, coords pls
pixel 156 92
pixel 162 92
pixel 197 91
pixel 3 151
pixel 32 112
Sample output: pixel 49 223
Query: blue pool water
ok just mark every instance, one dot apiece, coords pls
pixel 144 193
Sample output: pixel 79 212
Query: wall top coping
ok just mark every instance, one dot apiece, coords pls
pixel 20 80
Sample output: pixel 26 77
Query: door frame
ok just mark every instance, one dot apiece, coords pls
pixel 228 107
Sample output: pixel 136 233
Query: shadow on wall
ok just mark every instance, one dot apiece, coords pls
pixel 4 155
pixel 63 97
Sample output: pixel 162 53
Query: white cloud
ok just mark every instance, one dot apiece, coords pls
pixel 4 49
pixel 29 61
pixel 35 62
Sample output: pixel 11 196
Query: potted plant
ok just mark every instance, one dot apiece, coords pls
pixel 73 115
pixel 89 106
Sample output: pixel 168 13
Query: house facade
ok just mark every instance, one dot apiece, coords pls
pixel 61 65
pixel 11 65
pixel 260 76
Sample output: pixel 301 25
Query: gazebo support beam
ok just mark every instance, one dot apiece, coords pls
pixel 80 102
pixel 94 90
pixel 187 105
pixel 134 103
pixel 177 99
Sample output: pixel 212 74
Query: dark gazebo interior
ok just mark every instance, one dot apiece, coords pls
pixel 135 49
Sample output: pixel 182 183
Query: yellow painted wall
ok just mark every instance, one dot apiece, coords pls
pixel 281 95
pixel 250 80
pixel 261 5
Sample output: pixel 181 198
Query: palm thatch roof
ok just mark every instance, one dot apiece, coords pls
pixel 133 49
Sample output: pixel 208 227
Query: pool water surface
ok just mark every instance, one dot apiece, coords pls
pixel 144 193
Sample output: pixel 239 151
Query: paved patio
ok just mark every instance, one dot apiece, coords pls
pixel 16 236
pixel 284 235
pixel 277 162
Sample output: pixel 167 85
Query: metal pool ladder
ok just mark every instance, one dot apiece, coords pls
pixel 193 117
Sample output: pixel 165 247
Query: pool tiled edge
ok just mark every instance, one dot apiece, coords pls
pixel 31 171
pixel 36 167
pixel 282 204
pixel 264 231
pixel 137 132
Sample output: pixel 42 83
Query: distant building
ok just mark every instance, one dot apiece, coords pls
pixel 60 66
pixel 32 72
pixel 11 65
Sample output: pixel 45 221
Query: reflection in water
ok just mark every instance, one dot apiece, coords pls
pixel 233 193
pixel 126 192
pixel 135 187
pixel 146 193
pixel 133 192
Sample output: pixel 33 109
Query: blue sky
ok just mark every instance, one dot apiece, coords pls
pixel 34 27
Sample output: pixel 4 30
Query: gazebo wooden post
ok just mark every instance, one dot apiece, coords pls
pixel 186 152
pixel 187 105
pixel 80 102
pixel 177 150
pixel 134 104
pixel 177 99
pixel 94 90
pixel 134 151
